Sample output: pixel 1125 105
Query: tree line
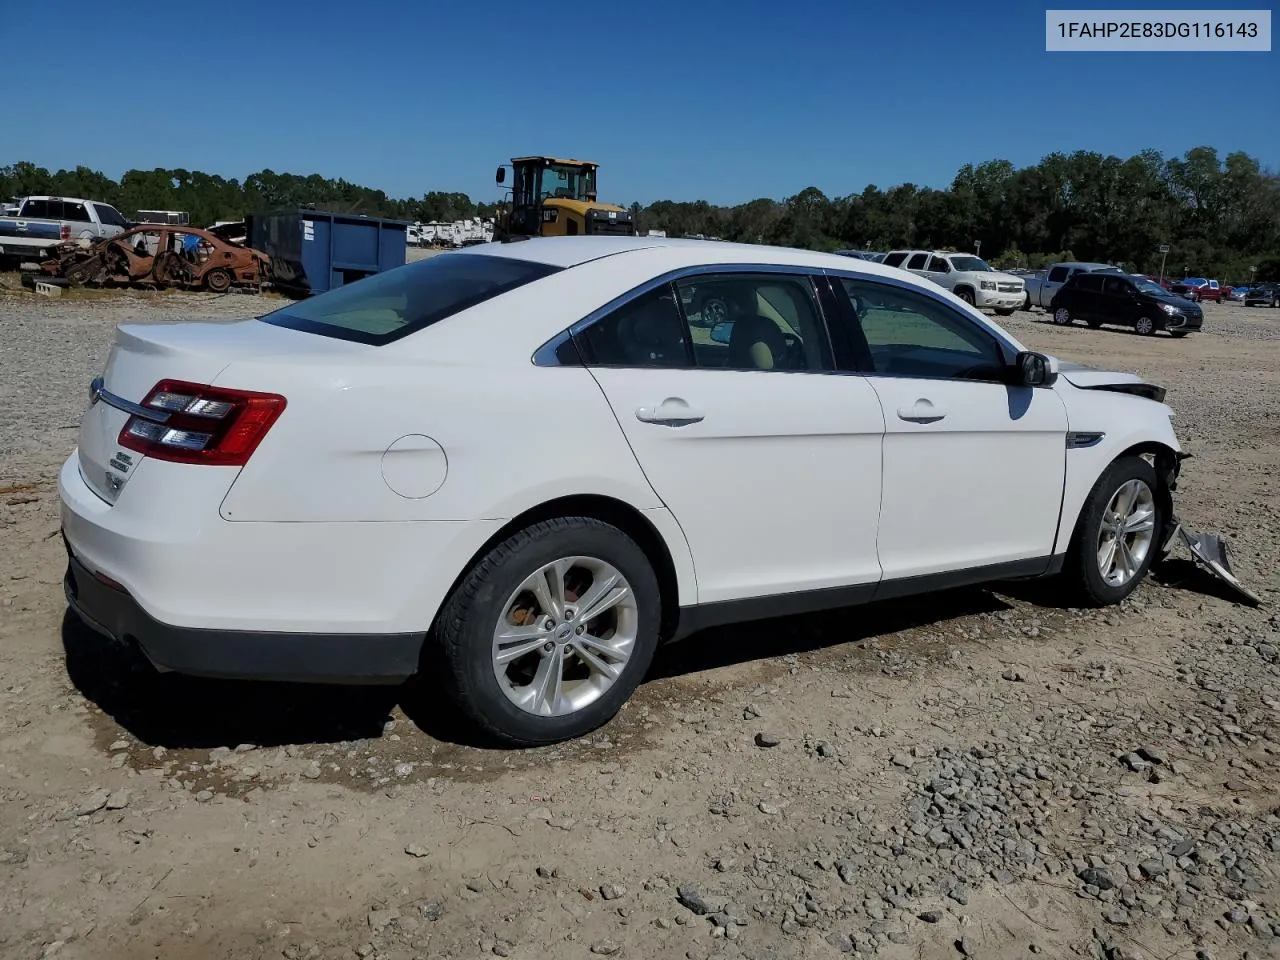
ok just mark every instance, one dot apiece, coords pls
pixel 1218 215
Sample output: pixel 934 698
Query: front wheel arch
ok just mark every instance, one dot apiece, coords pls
pixel 1166 462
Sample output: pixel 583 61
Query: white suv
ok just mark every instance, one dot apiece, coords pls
pixel 967 276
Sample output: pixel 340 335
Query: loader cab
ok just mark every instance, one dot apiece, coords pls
pixel 551 197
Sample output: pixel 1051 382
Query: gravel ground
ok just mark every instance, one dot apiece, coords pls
pixel 981 774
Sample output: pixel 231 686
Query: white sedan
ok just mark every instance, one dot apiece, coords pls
pixel 529 463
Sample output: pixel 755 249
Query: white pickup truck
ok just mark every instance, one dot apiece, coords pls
pixel 41 223
pixel 1042 287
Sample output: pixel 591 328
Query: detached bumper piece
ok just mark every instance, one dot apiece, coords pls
pixel 1210 553
pixel 106 607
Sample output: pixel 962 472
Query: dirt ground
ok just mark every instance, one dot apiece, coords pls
pixel 981 773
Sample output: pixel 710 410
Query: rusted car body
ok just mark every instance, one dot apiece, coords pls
pixel 162 255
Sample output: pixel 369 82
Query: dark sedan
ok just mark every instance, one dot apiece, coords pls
pixel 1263 295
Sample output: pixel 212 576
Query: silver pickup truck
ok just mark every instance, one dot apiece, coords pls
pixel 1043 285
pixel 41 223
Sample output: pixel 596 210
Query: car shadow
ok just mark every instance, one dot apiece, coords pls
pixel 767 639
pixel 1047 320
pixel 181 712
pixel 178 712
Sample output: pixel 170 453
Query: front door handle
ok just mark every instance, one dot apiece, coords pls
pixel 922 411
pixel 671 412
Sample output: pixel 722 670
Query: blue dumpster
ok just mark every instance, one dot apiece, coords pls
pixel 314 250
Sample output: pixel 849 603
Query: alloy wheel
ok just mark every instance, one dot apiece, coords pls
pixel 1126 533
pixel 1144 326
pixel 565 636
pixel 1061 317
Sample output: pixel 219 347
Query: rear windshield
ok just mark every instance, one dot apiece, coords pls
pixel 391 305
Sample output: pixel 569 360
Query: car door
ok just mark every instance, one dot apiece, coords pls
pixel 1087 301
pixel 1118 301
pixel 939 271
pixel 768 459
pixel 973 467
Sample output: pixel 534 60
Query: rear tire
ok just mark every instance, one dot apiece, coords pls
pixel 1062 317
pixel 1083 578
pixel 218 280
pixel 488 689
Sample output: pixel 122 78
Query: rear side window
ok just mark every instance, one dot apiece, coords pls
pixel 38 209
pixel 1087 281
pixel 75 212
pixel 391 305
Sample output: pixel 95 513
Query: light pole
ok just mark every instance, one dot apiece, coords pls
pixel 1253 276
pixel 1164 255
pixel 977 248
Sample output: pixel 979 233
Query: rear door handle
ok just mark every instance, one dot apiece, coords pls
pixel 922 411
pixel 671 412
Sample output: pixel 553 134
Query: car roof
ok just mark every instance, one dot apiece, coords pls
pixel 572 251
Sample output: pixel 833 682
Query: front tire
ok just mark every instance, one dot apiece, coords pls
pixel 552 630
pixel 1004 311
pixel 1144 326
pixel 1116 537
pixel 967 296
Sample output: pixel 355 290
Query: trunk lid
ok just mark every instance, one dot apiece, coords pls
pixel 144 354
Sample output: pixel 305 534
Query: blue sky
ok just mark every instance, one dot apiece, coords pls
pixel 700 99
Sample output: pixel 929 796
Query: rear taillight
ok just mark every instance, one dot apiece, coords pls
pixel 64 232
pixel 193 423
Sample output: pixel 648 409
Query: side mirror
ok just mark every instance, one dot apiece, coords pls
pixel 1035 369
pixel 722 331
pixel 502 175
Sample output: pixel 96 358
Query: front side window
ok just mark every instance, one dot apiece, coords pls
pixel 909 334
pixel 755 322
pixel 387 306
pixel 1116 287
pixel 644 332
pixel 110 216
pixel 939 265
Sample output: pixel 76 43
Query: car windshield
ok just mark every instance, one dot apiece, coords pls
pixel 970 264
pixel 387 306
pixel 1195 281
pixel 1147 286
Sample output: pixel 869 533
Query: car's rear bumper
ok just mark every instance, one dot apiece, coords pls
pixel 238 654
pixel 198 594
